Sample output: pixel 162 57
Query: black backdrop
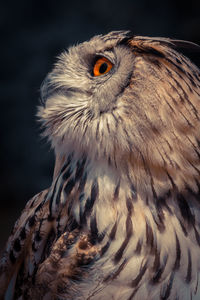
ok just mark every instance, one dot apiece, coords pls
pixel 32 34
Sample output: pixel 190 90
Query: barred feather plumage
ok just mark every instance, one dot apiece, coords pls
pixel 121 218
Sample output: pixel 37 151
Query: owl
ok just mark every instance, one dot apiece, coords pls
pixel 121 219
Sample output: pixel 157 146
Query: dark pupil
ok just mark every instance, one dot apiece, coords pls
pixel 103 68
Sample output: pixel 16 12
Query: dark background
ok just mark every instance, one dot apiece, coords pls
pixel 32 34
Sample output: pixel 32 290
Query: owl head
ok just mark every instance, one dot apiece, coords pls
pixel 130 101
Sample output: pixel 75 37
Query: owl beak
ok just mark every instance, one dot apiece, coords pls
pixel 45 90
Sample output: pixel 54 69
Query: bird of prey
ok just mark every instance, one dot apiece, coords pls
pixel 121 219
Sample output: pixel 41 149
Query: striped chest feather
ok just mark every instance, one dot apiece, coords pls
pixel 92 236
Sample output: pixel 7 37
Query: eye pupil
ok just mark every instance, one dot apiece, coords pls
pixel 103 68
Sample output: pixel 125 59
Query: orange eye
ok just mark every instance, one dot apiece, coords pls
pixel 102 66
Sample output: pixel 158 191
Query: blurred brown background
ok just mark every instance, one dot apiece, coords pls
pixel 33 33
